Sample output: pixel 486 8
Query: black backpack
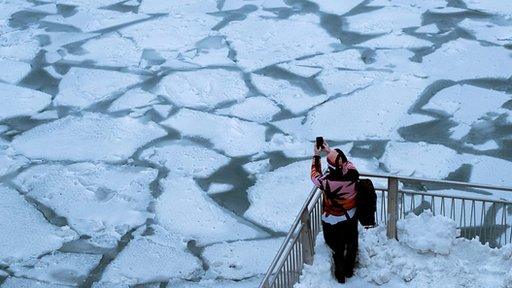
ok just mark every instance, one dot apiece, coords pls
pixel 366 202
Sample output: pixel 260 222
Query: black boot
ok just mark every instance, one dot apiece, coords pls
pixel 340 277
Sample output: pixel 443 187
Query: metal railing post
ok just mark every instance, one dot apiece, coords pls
pixel 306 237
pixel 392 207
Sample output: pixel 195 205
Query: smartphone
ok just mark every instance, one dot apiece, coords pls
pixel 319 142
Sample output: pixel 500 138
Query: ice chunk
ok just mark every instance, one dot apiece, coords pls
pixel 488 145
pixel 233 136
pixel 397 18
pixel 242 259
pixel 465 104
pixel 377 123
pixel 46 115
pixel 18 101
pixel 172 32
pixel 257 167
pixel 110 50
pixel 82 87
pixel 487 31
pixel 58 268
pixel 13 71
pixel 98 200
pixel 466 59
pixel 276 40
pixel 9 161
pixel 94 137
pixel 490 170
pixel 350 59
pixel 346 81
pixel 216 188
pixel 185 159
pixel 25 232
pixel 399 62
pixel 429 29
pixel 258 109
pixel 441 236
pixel 337 7
pixel 290 146
pixel 279 194
pixel 91 20
pixel 291 97
pixel 395 41
pixel 204 88
pixel 185 209
pixel 134 98
pixel 19 44
pixel 156 257
pixel 420 159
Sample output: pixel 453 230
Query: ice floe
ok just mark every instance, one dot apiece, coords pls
pixel 465 59
pixel 110 50
pixel 397 18
pixel 204 88
pixel 25 232
pixel 18 101
pixel 183 7
pixel 93 136
pixel 217 188
pixel 350 59
pixel 428 29
pixel 58 268
pixel 9 161
pixel 239 137
pixel 19 44
pixel 491 170
pixel 337 7
pixel 266 4
pixel 395 41
pixel 336 81
pixel 135 98
pixel 82 87
pixel 283 92
pixel 276 40
pixel 487 31
pixel 278 195
pixel 241 259
pixel 156 257
pixel 380 122
pixel 257 109
pixel 14 282
pixel 172 32
pixel 98 200
pixel 290 146
pixel 495 7
pixel 13 71
pixel 257 167
pixel 185 159
pixel 465 104
pixel 185 209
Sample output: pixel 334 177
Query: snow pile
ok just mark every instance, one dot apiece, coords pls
pixel 428 254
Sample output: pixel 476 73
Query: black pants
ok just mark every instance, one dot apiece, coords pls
pixel 342 238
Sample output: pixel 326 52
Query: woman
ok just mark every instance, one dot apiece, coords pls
pixel 339 208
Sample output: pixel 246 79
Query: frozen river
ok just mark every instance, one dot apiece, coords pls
pixel 168 143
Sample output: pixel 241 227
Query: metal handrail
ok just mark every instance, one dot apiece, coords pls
pixel 302 224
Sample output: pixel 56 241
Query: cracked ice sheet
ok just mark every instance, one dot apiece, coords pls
pixel 58 268
pixel 172 32
pixel 25 232
pixel 283 92
pixel 13 282
pixel 13 71
pixel 494 7
pixel 391 101
pixel 465 104
pixel 110 50
pixel 152 258
pixel 185 209
pixel 258 109
pixel 465 59
pixel 98 200
pixel 239 137
pixel 9 161
pixel 241 259
pixel 19 44
pixel 430 160
pixel 204 88
pixel 82 87
pixel 276 40
pixel 18 101
pixel 397 61
pixel 372 22
pixel 395 41
pixel 90 19
pixel 94 137
pixel 487 31
pixel 186 160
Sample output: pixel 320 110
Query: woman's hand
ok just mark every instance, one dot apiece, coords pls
pixel 325 147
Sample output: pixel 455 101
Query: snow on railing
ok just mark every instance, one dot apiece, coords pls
pixel 476 216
